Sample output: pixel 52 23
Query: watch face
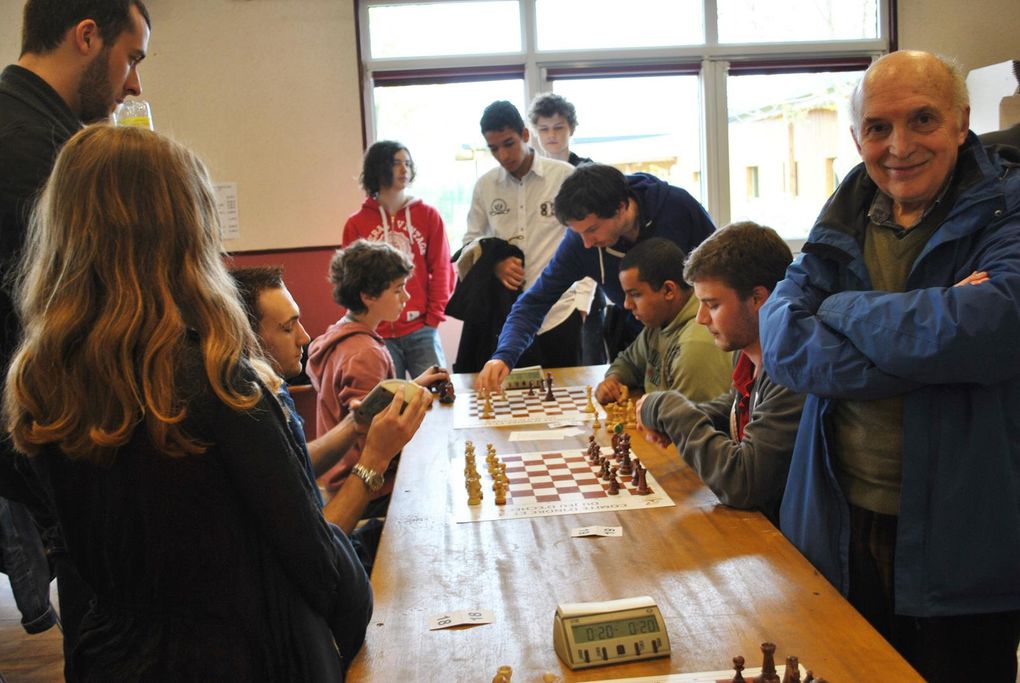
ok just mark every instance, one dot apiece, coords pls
pixel 373 480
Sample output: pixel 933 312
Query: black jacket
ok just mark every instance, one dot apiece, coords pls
pixel 482 302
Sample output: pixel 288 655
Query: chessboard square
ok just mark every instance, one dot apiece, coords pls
pixel 595 494
pixel 547 499
pixel 569 489
pixel 590 480
pixel 512 458
pixel 577 457
pixel 566 476
pixel 543 485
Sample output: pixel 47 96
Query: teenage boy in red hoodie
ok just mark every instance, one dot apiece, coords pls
pixel 415 229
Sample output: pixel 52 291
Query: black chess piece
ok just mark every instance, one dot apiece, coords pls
pixel 738 667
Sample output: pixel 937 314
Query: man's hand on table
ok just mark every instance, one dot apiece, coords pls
pixel 652 436
pixel 492 375
pixel 609 390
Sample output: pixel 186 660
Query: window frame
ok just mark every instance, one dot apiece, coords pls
pixel 711 61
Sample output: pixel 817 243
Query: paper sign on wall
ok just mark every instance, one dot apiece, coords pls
pixel 226 207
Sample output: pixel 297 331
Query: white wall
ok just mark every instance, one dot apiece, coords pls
pixel 976 33
pixel 266 91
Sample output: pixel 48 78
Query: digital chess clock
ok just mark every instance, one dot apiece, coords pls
pixel 610 632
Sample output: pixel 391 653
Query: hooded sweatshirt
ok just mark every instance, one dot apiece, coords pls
pixel 345 363
pixel 664 211
pixel 417 231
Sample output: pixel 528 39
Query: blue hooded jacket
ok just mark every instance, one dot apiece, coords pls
pixel 664 211
pixel 954 355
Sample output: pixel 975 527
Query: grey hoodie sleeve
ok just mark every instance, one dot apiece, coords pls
pixel 748 474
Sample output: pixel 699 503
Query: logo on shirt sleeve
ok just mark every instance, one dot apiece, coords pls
pixel 498 207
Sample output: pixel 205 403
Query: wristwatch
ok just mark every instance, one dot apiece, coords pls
pixel 373 480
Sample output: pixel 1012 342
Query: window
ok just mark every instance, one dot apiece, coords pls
pixel 772 21
pixel 663 140
pixel 581 24
pixel 444 28
pixel 729 99
pixel 796 125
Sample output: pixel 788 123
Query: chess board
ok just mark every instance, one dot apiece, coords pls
pixel 544 484
pixel 517 407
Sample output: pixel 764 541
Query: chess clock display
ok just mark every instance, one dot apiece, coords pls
pixel 610 632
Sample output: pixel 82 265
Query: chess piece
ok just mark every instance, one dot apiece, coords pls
pixel 614 485
pixel 474 492
pixel 640 474
pixel 596 425
pixel 590 408
pixel 738 667
pixel 631 414
pixel 447 393
pixel 768 664
pixel 500 489
pixel 487 406
pixel 792 673
pixel 549 385
pixel 531 388
pixel 626 466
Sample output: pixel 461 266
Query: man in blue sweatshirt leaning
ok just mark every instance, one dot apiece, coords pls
pixel 607 213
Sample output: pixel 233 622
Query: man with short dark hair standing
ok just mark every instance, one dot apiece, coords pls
pixel 78 60
pixel 900 321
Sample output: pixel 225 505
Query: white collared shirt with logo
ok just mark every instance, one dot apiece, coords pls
pixel 521 212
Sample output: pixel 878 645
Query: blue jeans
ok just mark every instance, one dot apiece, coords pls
pixel 416 352
pixel 24 561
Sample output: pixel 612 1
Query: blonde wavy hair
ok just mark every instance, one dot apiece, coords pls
pixel 122 260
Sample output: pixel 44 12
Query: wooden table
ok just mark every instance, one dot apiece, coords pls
pixel 724 579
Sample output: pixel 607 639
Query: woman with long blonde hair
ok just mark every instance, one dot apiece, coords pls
pixel 170 466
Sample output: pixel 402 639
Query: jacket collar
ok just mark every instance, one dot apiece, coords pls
pixel 973 196
pixel 33 91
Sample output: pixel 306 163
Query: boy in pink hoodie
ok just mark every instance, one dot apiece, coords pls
pixel 416 230
pixel 369 280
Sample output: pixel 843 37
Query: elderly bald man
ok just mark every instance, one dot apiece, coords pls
pixel 901 321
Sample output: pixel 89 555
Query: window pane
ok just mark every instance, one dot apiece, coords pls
pixel 789 146
pixel 439 125
pixel 598 24
pixel 767 21
pixel 444 28
pixel 660 136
